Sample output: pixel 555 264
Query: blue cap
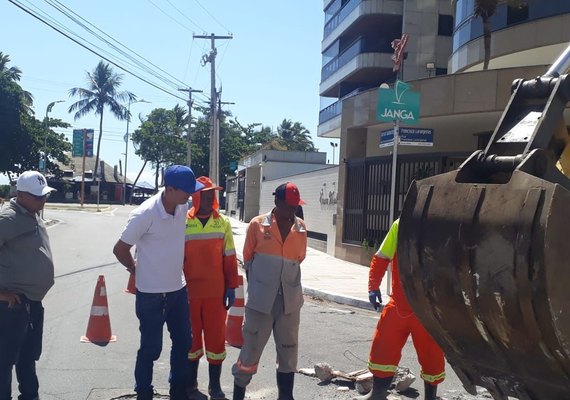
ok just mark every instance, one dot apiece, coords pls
pixel 181 177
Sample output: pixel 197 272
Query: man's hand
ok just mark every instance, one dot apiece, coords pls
pixel 229 298
pixel 375 298
pixel 11 298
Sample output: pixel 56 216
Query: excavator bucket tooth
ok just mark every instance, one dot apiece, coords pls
pixel 486 268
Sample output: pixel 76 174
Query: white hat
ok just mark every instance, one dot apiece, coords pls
pixel 33 182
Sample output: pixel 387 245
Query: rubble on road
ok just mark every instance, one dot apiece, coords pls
pixel 362 378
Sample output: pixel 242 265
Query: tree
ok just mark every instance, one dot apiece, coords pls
pixel 23 136
pixel 103 85
pixel 295 136
pixel 486 9
pixel 159 140
pixel 14 74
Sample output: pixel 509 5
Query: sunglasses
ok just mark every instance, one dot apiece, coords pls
pixel 39 198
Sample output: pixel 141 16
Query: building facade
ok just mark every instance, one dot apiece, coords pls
pixel 460 101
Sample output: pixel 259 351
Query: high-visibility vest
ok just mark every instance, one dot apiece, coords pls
pixel 210 263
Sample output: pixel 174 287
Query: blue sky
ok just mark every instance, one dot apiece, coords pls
pixel 270 69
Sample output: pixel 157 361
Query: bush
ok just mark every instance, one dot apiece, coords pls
pixel 5 191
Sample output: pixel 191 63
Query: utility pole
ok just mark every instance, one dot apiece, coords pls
pixel 217 129
pixel 214 138
pixel 190 104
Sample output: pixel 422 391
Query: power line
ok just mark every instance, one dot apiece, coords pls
pixel 214 18
pixel 169 16
pixel 184 15
pixel 151 71
pixel 60 31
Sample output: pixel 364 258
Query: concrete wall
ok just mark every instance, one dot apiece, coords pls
pixel 319 190
pixel 252 190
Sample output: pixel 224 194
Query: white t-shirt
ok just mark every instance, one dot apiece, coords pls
pixel 159 238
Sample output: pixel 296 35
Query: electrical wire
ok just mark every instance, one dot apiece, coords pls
pixel 214 18
pixel 184 15
pixel 61 30
pixel 73 16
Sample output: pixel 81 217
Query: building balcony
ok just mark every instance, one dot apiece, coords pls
pixel 353 11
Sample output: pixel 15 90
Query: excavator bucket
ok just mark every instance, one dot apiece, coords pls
pixel 483 254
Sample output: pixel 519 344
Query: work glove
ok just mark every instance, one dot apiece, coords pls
pixel 229 298
pixel 375 298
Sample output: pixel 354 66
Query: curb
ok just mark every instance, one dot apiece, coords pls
pixel 337 298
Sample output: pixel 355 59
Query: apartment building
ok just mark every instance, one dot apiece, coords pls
pixel 460 101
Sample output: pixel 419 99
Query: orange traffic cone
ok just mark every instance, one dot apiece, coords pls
pixel 131 288
pixel 234 336
pixel 99 326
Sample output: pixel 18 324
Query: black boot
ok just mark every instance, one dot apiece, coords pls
pixel 285 382
pixel 379 390
pixel 239 393
pixel 177 392
pixel 193 376
pixel 214 387
pixel 145 395
pixel 430 391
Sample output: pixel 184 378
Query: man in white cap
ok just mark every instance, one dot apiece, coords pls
pixel 157 227
pixel 26 275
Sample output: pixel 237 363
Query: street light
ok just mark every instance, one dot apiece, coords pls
pixel 43 161
pixel 334 146
pixel 127 147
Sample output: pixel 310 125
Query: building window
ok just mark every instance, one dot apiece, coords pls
pixel 445 25
pixel 441 71
pixel 517 13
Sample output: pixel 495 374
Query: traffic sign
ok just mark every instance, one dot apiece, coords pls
pixel 398 103
pixel 416 137
pixel 407 136
pixel 78 146
pixel 387 138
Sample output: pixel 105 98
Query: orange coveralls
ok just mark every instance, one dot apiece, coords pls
pixel 210 267
pixel 398 321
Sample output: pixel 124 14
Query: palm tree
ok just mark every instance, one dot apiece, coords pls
pixel 295 136
pixel 103 84
pixel 486 9
pixel 14 74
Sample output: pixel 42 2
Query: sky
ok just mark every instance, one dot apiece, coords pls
pixel 270 68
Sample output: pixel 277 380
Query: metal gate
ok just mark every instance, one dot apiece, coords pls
pixel 367 191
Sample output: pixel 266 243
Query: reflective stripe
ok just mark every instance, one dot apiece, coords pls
pixel 382 368
pixel 216 356
pixel 204 236
pixel 236 312
pixel 248 370
pixel 432 378
pixel 99 311
pixel 197 354
pixel 230 252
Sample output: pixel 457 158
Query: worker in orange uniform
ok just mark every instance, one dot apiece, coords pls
pixel 275 245
pixel 210 268
pixel 396 323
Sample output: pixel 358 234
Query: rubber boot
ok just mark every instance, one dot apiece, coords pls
pixel 379 390
pixel 239 393
pixel 214 387
pixel 177 392
pixel 430 391
pixel 285 383
pixel 145 395
pixel 193 376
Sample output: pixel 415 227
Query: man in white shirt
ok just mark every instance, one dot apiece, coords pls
pixel 157 227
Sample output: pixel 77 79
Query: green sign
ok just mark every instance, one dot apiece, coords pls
pixel 398 103
pixel 78 137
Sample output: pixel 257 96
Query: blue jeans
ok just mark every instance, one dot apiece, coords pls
pixel 21 346
pixel 153 310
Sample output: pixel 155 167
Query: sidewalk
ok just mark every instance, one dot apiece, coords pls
pixel 324 276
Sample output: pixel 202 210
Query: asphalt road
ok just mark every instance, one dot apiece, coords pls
pixel 71 370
